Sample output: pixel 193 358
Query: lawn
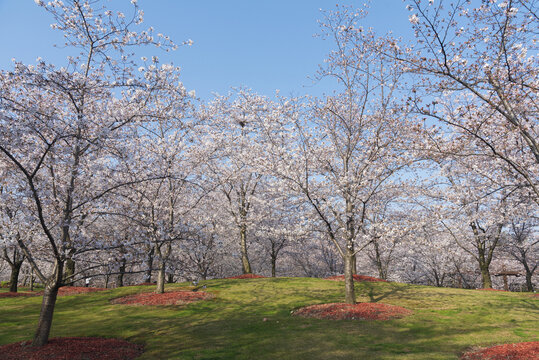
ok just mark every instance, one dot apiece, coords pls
pixel 444 323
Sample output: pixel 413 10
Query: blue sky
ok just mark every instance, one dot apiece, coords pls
pixel 259 44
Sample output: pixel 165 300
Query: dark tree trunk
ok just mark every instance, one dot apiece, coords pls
pixel 171 278
pixel 14 278
pixel 50 294
pixel 32 280
pixel 529 283
pixel 273 255
pixel 121 273
pixel 148 275
pixel 529 274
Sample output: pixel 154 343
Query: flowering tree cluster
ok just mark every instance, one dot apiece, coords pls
pixel 421 165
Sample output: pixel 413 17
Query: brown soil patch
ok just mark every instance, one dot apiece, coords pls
pixel 358 278
pixel 517 351
pixel 73 348
pixel 167 298
pixel 361 311
pixel 246 276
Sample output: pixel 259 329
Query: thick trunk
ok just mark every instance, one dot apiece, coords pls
pixel 14 278
pixel 246 266
pixel 354 264
pixel 47 306
pixel 485 276
pixel 350 297
pixel 170 279
pixel 273 265
pixel 160 289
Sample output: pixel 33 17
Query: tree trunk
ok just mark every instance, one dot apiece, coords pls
pixel 354 264
pixel 14 278
pixel 69 271
pixel 48 303
pixel 148 275
pixel 379 264
pixel 170 279
pixel 160 289
pixel 350 297
pixel 485 276
pixel 529 283
pixel 246 265
pixel 273 265
pixel 121 273
pixel 32 279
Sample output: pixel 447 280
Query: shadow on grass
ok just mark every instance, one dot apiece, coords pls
pixel 376 293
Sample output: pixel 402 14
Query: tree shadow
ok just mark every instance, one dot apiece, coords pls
pixel 381 293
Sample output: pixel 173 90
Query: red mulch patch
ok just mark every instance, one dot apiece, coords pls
pixel 361 311
pixel 73 348
pixel 167 298
pixel 72 290
pixel 16 294
pixel 518 351
pixel 246 276
pixel 64 290
pixel 358 278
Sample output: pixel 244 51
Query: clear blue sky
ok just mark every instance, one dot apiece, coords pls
pixel 260 44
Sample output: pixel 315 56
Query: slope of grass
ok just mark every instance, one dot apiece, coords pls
pixel 445 322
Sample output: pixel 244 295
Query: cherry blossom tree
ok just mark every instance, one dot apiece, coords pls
pixel 235 134
pixel 59 127
pixel 478 75
pixel 343 151
pixel 521 243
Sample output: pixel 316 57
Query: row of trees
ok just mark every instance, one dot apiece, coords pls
pixel 422 158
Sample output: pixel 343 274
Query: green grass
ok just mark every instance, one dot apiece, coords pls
pixel 445 322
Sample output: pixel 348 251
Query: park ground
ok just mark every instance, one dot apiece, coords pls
pixel 251 318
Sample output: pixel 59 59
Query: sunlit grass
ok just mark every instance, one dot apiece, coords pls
pixel 444 323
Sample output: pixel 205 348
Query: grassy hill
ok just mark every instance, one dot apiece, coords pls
pixel 445 322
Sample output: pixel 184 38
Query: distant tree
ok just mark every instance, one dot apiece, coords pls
pixel 522 243
pixel 235 133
